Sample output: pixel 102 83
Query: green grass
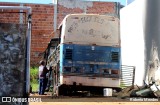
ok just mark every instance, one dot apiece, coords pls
pixel 122 85
pixel 34 78
pixel 34 87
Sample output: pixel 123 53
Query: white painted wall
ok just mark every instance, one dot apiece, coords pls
pixel 132 38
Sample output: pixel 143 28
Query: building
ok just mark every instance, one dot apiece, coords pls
pixel 44 17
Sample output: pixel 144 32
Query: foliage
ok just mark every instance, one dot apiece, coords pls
pixel 34 87
pixel 34 78
pixel 34 74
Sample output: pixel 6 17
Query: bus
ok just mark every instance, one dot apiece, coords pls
pixel 85 54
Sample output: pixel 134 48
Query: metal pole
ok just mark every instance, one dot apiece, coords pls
pixel 28 53
pixel 134 68
pixel 126 2
pixel 29 10
pixel 21 15
pixel 55 15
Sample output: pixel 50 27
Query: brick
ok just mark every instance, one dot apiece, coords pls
pixel 42 22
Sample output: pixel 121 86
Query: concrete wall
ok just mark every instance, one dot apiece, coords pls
pixel 12 59
pixel 141 39
pixel 132 38
pixel 152 41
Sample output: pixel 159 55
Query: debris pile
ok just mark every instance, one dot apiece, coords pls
pixel 125 93
pixel 150 91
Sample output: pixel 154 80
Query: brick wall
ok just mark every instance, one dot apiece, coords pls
pixel 103 8
pixel 6 16
pixel 42 26
pixel 42 20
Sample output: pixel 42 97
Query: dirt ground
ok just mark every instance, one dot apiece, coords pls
pixel 94 103
pixel 77 100
pixel 90 101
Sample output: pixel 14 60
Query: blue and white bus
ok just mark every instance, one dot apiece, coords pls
pixel 87 53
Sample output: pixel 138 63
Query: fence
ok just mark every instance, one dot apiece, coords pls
pixel 127 75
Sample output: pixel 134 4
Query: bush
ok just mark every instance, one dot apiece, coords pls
pixel 34 78
pixel 34 74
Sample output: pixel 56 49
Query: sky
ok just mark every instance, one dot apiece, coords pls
pixel 123 2
pixel 129 1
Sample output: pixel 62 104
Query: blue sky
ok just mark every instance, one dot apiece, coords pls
pixel 123 2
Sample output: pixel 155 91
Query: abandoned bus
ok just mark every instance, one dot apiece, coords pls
pixel 87 53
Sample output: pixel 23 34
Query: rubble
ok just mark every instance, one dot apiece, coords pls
pixel 146 91
pixel 125 93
